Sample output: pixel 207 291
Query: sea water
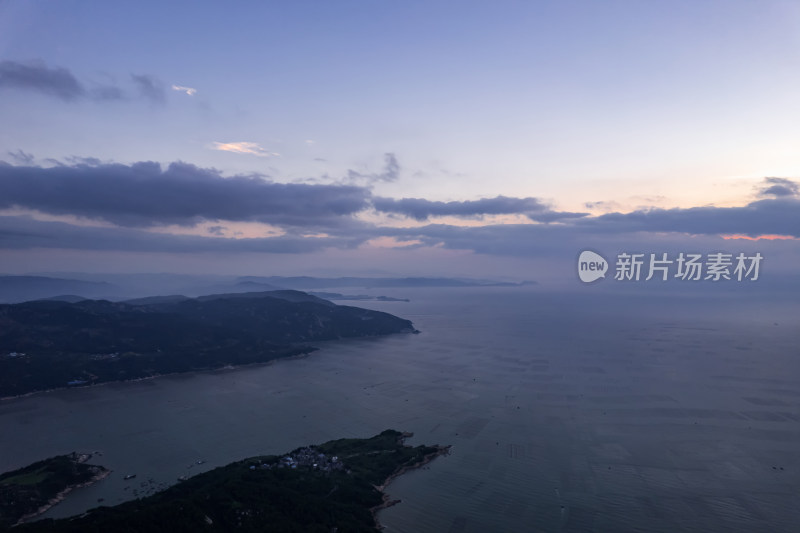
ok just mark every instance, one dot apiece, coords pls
pixel 566 412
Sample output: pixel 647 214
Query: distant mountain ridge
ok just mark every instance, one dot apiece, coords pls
pixel 308 282
pixel 283 294
pixel 127 287
pixel 22 288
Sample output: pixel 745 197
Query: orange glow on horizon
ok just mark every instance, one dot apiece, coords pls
pixel 390 242
pixel 761 237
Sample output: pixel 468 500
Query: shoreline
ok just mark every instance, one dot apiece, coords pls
pixel 416 460
pixel 387 502
pixel 311 349
pixel 61 496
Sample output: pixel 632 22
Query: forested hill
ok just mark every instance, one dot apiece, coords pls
pixel 336 486
pixel 50 344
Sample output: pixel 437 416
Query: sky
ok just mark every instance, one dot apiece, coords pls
pixel 483 139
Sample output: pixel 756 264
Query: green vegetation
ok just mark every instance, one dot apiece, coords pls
pixel 52 344
pixel 267 493
pixel 25 491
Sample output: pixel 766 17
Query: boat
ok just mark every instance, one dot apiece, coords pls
pixel 130 476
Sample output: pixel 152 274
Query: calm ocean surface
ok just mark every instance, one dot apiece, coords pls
pixel 566 413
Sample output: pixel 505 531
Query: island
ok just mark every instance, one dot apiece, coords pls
pixel 28 492
pixel 335 486
pixel 49 344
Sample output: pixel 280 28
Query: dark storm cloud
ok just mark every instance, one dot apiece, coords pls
pixel 58 82
pixel 421 209
pixel 142 194
pixel 150 88
pixel 779 187
pixel 21 233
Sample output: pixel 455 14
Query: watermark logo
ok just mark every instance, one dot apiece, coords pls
pixel 591 266
pixel 718 266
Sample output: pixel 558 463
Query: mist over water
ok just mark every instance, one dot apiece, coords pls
pixel 567 412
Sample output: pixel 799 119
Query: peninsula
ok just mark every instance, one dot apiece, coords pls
pixel 335 486
pixel 28 492
pixel 50 344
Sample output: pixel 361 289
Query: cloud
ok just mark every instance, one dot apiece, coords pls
pixel 391 169
pixel 760 221
pixel 603 205
pixel 760 237
pixel 149 88
pixel 665 232
pixel 555 216
pixel 21 233
pixel 21 157
pixel 86 161
pixel 58 82
pixel 244 147
pixel 391 172
pixel 564 240
pixel 188 90
pixel 780 216
pixel 508 240
pixel 498 239
pixel 779 187
pixel 62 84
pixel 421 209
pixel 138 197
pixel 142 194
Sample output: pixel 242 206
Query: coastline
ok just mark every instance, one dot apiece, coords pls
pixel 308 350
pixel 387 502
pixel 408 458
pixel 300 355
pixel 102 473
